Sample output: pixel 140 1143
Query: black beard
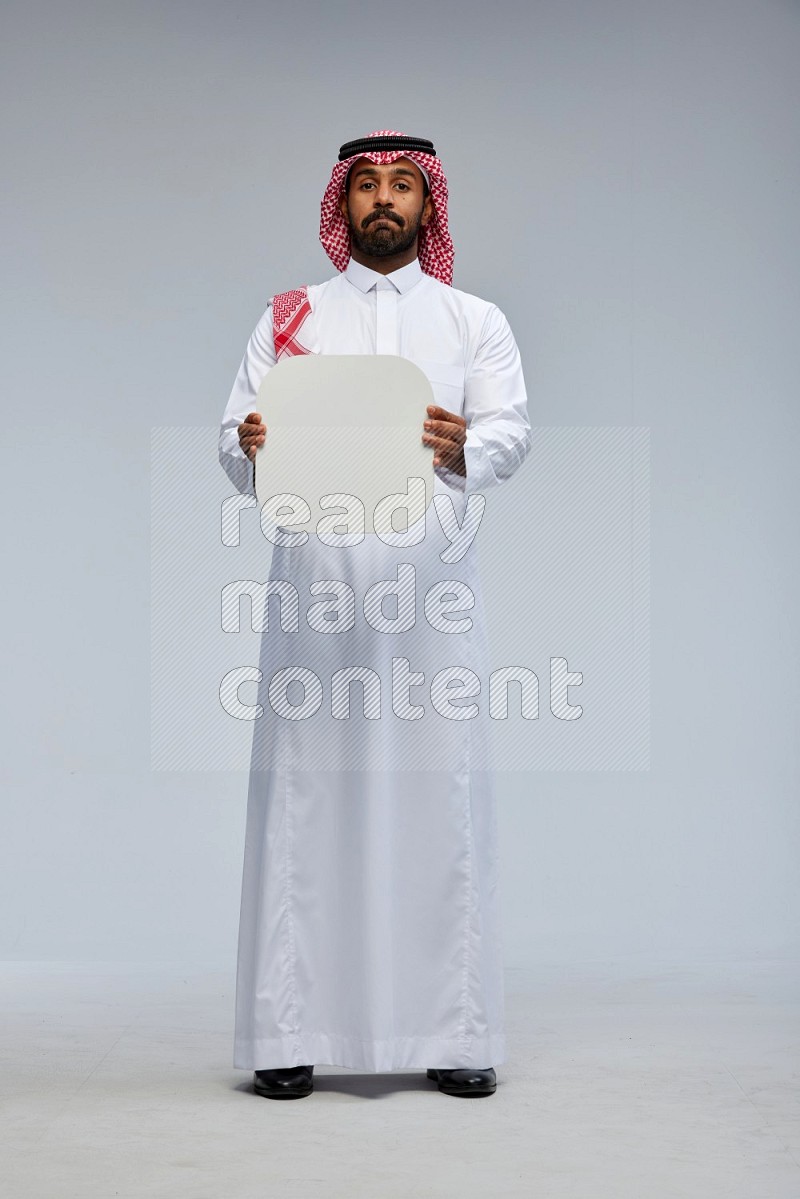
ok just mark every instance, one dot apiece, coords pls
pixel 381 243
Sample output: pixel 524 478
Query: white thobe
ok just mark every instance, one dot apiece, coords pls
pixel 369 933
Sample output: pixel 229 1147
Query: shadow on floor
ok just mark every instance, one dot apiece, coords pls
pixel 361 1086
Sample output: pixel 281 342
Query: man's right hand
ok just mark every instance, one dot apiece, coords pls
pixel 252 434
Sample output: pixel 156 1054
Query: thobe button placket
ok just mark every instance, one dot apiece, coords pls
pixel 386 322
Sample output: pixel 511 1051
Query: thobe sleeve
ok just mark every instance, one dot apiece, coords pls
pixel 495 409
pixel 259 357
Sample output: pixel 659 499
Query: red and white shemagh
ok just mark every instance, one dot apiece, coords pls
pixel 289 310
pixel 435 245
pixel 436 253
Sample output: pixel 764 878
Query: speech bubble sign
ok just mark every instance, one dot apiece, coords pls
pixel 341 425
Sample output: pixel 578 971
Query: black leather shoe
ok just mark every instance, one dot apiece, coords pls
pixel 465 1082
pixel 290 1082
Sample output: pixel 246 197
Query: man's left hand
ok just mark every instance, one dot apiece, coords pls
pixel 446 433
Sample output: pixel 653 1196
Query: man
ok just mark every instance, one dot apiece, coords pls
pixel 369 934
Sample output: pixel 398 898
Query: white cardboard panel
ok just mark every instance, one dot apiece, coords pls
pixel 345 424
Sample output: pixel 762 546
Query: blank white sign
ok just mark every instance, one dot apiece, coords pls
pixel 345 425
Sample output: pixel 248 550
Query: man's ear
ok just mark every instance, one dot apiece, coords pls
pixel 427 211
pixel 343 204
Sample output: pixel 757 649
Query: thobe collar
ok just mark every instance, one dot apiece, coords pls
pixel 365 279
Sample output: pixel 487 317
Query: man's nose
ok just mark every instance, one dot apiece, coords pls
pixel 383 196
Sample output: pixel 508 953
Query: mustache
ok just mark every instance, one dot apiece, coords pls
pixel 380 216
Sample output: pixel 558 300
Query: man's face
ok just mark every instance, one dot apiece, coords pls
pixel 385 206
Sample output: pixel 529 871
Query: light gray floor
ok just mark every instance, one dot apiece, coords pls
pixel 625 1080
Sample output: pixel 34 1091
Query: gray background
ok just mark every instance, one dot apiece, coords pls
pixel 624 185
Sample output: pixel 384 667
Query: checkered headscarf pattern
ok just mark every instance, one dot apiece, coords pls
pixel 436 251
pixel 285 304
pixel 289 311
